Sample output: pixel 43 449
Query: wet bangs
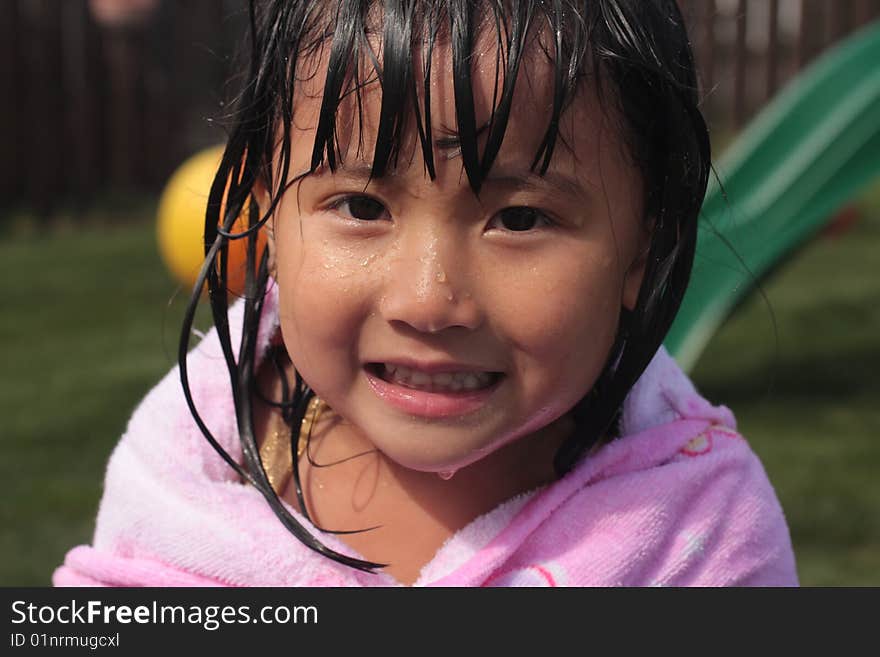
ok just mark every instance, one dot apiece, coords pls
pixel 392 44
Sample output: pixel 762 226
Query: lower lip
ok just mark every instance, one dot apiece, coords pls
pixel 430 404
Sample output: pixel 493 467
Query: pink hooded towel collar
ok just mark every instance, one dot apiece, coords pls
pixel 679 499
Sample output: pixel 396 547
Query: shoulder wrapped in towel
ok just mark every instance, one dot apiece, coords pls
pixel 680 499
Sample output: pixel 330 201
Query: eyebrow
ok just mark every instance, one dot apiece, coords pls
pixel 554 182
pixel 534 182
pixel 529 181
pixel 452 140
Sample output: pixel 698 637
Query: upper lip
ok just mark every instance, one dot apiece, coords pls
pixel 433 366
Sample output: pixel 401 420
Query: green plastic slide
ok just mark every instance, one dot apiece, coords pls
pixel 813 148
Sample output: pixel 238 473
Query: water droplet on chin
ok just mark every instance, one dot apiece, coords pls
pixel 446 475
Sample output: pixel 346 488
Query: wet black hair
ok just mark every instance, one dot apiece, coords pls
pixel 636 53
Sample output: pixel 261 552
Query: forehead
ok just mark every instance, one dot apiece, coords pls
pixel 588 128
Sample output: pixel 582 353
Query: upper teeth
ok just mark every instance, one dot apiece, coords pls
pixel 453 381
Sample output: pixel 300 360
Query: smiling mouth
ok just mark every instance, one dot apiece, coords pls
pixel 440 382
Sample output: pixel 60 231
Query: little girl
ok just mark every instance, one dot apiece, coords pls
pixel 479 221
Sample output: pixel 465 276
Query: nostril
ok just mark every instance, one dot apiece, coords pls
pixel 430 304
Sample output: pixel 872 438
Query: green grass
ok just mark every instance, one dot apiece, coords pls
pixel 807 401
pixel 86 329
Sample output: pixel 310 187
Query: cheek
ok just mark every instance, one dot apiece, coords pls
pixel 324 299
pixel 562 322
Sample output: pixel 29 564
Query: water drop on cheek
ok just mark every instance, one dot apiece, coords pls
pixel 446 475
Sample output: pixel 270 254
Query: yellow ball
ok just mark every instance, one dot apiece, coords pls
pixel 181 222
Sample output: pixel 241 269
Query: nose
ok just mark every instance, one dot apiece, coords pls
pixel 428 286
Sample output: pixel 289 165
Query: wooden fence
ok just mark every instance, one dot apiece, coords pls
pixel 86 107
pixel 747 49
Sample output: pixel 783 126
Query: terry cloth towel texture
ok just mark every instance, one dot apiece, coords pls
pixel 680 499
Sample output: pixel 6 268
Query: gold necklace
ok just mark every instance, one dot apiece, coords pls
pixel 275 450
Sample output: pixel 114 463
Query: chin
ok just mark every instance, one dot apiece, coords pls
pixel 442 457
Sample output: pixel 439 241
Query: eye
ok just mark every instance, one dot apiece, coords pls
pixel 362 208
pixel 520 219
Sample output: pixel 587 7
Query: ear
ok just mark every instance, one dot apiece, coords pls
pixel 635 274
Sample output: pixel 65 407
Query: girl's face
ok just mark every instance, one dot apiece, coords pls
pixel 440 324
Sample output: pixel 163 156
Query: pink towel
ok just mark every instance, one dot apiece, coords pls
pixel 680 499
